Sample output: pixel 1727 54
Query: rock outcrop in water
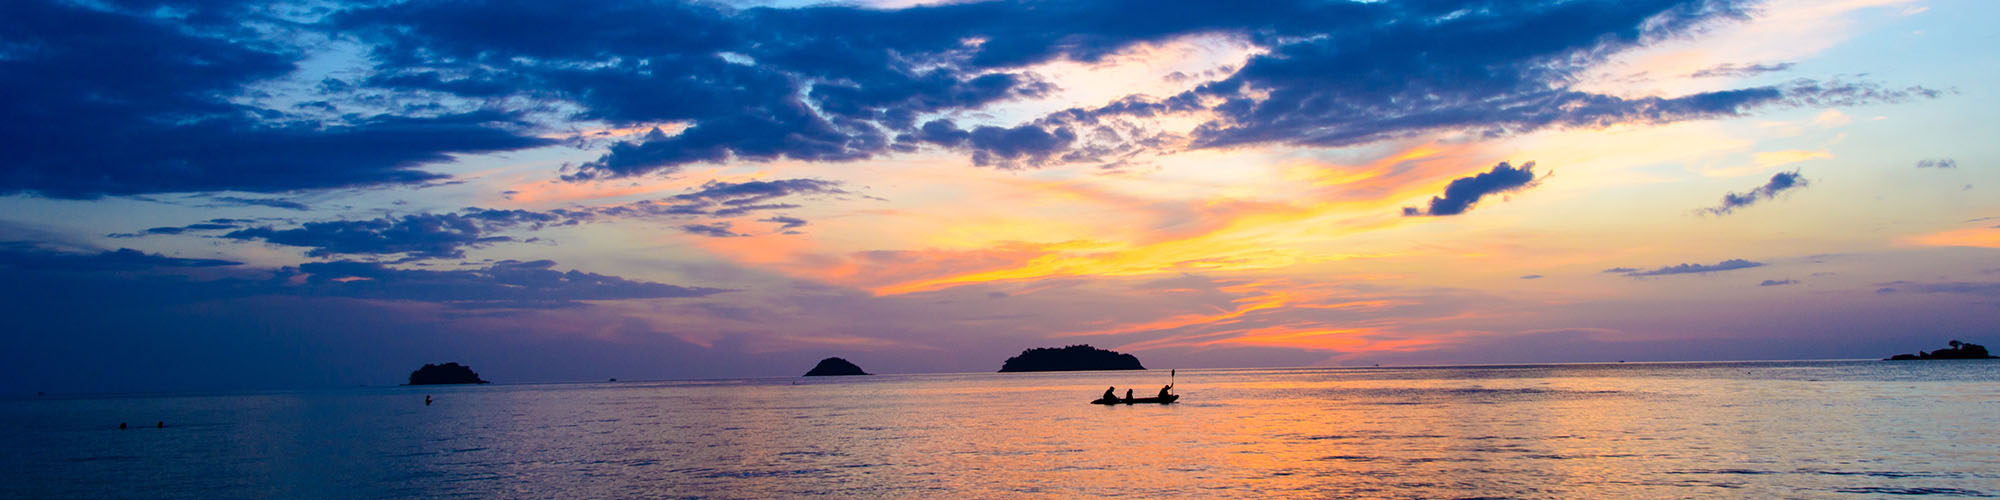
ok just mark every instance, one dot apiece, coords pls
pixel 834 367
pixel 448 373
pixel 1958 350
pixel 1072 358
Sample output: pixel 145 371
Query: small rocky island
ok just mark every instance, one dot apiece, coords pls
pixel 448 373
pixel 1958 350
pixel 1073 358
pixel 834 367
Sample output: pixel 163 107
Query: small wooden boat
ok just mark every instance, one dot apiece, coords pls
pixel 1121 401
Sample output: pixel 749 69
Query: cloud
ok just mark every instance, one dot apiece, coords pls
pixel 712 230
pixel 1686 268
pixel 21 255
pixel 504 284
pixel 139 102
pixel 448 235
pixel 727 199
pixel 1532 277
pixel 212 225
pixel 837 83
pixel 1937 163
pixel 419 236
pixel 1951 287
pixel 1779 183
pixel 206 97
pixel 1778 282
pixel 262 202
pixel 1463 193
pixel 785 223
pixel 1738 70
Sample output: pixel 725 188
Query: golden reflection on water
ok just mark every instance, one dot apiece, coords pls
pixel 1770 430
pixel 1304 433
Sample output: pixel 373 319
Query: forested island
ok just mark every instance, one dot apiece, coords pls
pixel 1073 358
pixel 830 367
pixel 1958 350
pixel 448 373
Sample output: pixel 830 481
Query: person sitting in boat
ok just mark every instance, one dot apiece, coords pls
pixel 1128 394
pixel 1110 393
pixel 1163 391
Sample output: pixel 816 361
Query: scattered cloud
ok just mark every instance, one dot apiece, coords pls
pixel 727 199
pixel 1532 277
pixel 1937 163
pixel 503 284
pixel 261 202
pixel 419 236
pixel 719 229
pixel 1951 287
pixel 785 223
pixel 1463 193
pixel 22 255
pixel 1779 183
pixel 1778 282
pixel 1739 70
pixel 1686 268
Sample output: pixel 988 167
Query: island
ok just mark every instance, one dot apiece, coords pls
pixel 1958 350
pixel 448 373
pixel 1073 358
pixel 833 367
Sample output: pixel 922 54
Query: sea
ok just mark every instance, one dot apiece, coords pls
pixel 1796 429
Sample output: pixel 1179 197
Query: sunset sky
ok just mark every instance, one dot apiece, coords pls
pixel 211 194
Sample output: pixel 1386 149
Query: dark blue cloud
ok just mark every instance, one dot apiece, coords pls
pixel 1937 163
pixel 837 83
pixel 261 202
pixel 419 236
pixel 449 235
pixel 712 230
pixel 128 102
pixel 1686 268
pixel 504 284
pixel 1462 193
pixel 1779 183
pixel 785 223
pixel 1532 277
pixel 132 97
pixel 28 256
pixel 1778 282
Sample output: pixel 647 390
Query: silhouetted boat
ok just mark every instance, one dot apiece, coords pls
pixel 1121 401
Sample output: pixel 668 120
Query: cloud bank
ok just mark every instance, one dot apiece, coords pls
pixel 1686 268
pixel 218 96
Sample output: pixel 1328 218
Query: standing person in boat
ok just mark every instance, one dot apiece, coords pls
pixel 1110 393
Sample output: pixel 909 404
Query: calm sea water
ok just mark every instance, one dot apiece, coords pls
pixel 1679 430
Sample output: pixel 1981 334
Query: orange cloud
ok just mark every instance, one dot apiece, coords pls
pixel 1982 237
pixel 1227 234
pixel 1265 295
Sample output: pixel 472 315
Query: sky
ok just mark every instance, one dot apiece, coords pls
pixel 222 195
